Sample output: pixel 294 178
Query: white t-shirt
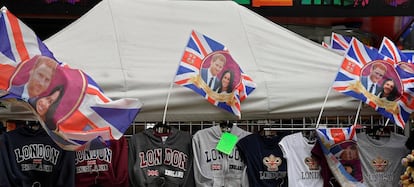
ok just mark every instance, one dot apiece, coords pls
pixel 303 170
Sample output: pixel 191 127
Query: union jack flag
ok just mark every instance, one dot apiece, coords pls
pixel 405 70
pixel 18 43
pixel 357 64
pixel 82 113
pixel 389 49
pixel 339 146
pixel 326 45
pixel 198 56
pixel 340 42
pixel 151 172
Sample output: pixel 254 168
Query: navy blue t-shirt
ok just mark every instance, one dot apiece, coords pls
pixel 266 165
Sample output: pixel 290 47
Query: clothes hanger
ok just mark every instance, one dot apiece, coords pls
pixel 161 129
pixel 33 125
pixel 379 131
pixel 226 126
pixel 268 131
pixel 310 135
pixel 383 132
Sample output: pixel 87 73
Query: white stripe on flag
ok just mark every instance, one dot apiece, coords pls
pixel 85 108
pixel 5 60
pixel 12 42
pixel 30 40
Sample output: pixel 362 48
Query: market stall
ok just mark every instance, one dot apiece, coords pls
pixel 133 49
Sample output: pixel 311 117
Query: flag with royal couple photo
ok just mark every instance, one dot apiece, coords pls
pixel 70 105
pixel 379 79
pixel 207 68
pixel 339 147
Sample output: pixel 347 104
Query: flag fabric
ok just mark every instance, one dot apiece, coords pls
pixel 18 44
pixel 68 103
pixel 360 64
pixel 409 54
pixel 339 146
pixel 340 42
pixel 405 69
pixel 325 45
pixel 389 49
pixel 207 68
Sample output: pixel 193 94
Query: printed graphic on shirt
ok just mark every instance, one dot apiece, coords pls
pixel 272 164
pixel 92 168
pixel 104 154
pixel 382 173
pixel 171 173
pixel 172 157
pixel 37 157
pixel 215 166
pixel 379 164
pixel 213 156
pixel 313 169
pixel 90 157
pixel 312 163
pixel 153 173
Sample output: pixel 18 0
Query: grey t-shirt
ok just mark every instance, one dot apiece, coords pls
pixel 381 159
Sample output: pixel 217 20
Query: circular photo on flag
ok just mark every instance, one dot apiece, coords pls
pixel 54 92
pixel 220 72
pixel 381 79
pixel 32 77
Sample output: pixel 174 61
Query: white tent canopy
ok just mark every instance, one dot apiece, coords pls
pixel 132 49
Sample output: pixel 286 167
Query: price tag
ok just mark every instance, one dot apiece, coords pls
pixel 227 143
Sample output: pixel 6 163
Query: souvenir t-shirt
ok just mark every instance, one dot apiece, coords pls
pixel 303 169
pixel 264 159
pixel 381 159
